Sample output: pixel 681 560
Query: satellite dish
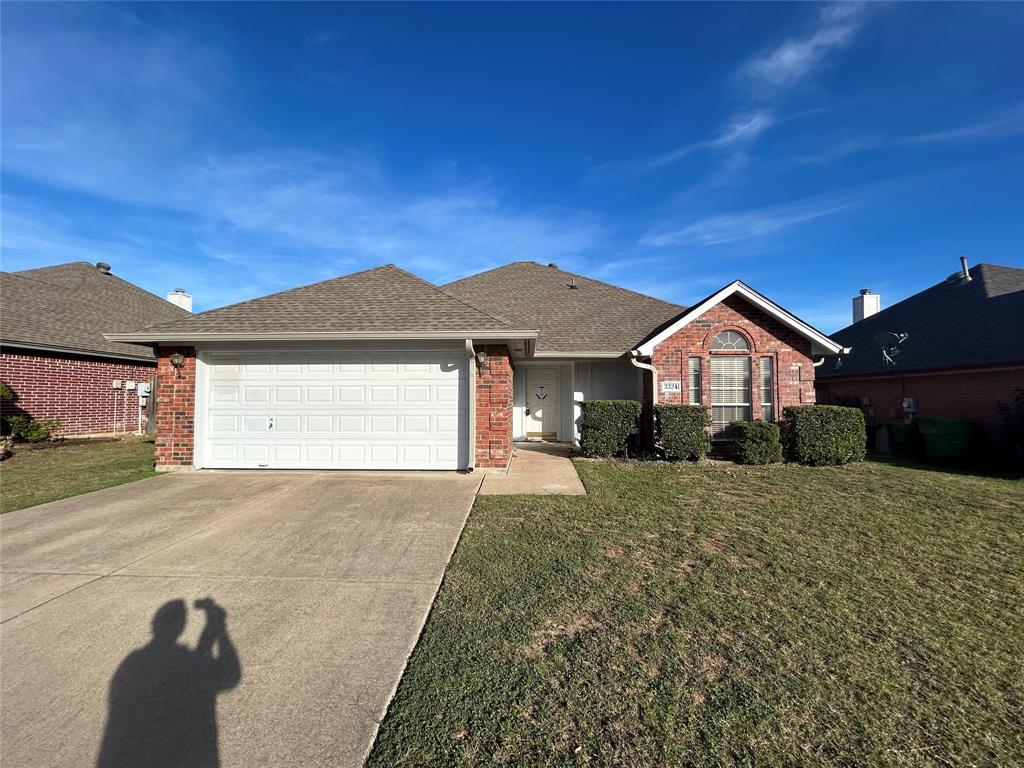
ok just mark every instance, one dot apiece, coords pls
pixel 889 342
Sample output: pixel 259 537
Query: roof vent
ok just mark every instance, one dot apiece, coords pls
pixel 103 267
pixel 965 273
pixel 572 282
pixel 553 265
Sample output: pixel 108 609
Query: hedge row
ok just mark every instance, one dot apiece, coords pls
pixel 810 434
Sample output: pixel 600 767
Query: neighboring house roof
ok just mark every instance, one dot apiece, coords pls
pixel 820 343
pixel 594 318
pixel 385 302
pixel 950 325
pixel 68 308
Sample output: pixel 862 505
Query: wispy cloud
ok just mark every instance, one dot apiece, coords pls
pixel 766 79
pixel 738 134
pixel 1007 123
pixel 133 128
pixel 743 225
pixel 798 58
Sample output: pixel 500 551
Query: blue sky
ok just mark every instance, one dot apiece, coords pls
pixel 234 150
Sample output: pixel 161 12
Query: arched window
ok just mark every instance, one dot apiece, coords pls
pixel 729 340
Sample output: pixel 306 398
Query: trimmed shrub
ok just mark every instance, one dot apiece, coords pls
pixel 823 434
pixel 682 431
pixel 31 430
pixel 755 442
pixel 607 425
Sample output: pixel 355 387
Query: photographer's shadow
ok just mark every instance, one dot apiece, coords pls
pixel 163 697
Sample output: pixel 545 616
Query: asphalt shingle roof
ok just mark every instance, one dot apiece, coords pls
pixel 384 299
pixel 952 324
pixel 594 317
pixel 70 306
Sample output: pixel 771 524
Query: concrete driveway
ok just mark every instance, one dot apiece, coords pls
pixel 325 578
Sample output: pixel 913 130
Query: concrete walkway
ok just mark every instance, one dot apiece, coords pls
pixel 538 469
pixel 326 580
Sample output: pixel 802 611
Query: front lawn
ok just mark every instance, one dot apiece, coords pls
pixel 37 474
pixel 714 614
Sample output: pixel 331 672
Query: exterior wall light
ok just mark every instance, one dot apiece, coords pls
pixel 177 359
pixel 481 359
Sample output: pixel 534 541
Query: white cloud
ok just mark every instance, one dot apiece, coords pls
pixel 798 58
pixel 738 134
pixel 742 225
pixel 135 116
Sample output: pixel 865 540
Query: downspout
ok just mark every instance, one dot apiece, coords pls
pixel 634 358
pixel 471 375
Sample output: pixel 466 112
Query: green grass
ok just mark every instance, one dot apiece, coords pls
pixel 710 614
pixel 37 474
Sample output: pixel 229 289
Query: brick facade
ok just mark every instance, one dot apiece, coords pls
pixel 493 437
pixel 73 389
pixel 175 408
pixel 973 394
pixel 791 354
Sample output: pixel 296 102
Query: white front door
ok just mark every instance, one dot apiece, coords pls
pixel 542 403
pixel 335 409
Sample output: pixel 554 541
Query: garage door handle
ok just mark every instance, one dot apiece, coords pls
pixel 271 424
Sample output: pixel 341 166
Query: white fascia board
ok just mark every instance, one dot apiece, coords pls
pixel 194 338
pixel 825 345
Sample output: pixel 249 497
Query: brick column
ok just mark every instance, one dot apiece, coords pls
pixel 175 409
pixel 493 437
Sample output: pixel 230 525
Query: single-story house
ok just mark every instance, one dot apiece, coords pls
pixel 953 350
pixel 383 370
pixel 55 358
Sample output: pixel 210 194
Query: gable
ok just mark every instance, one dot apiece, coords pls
pixel 739 295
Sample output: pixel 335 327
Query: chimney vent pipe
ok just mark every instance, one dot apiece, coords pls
pixel 964 271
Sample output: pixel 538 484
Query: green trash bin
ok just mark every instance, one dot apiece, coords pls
pixel 901 438
pixel 945 438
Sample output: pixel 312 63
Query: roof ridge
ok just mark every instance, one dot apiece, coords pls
pixel 577 275
pixel 448 295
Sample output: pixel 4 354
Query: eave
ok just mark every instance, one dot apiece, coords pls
pixel 820 343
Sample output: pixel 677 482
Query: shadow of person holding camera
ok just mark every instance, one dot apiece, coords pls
pixel 163 697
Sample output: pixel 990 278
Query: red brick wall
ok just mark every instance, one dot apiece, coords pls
pixel 175 408
pixel 793 366
pixel 75 390
pixel 494 408
pixel 972 394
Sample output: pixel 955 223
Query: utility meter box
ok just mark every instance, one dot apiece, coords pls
pixel 129 385
pixel 115 384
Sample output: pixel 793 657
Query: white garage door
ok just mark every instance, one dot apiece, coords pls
pixel 346 409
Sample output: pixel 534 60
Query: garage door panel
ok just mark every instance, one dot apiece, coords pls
pixel 336 409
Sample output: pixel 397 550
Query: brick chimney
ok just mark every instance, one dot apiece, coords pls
pixel 180 298
pixel 866 305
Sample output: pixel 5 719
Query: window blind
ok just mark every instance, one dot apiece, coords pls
pixel 730 391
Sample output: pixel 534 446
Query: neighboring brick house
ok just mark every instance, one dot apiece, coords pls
pixel 53 354
pixel 963 354
pixel 382 370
